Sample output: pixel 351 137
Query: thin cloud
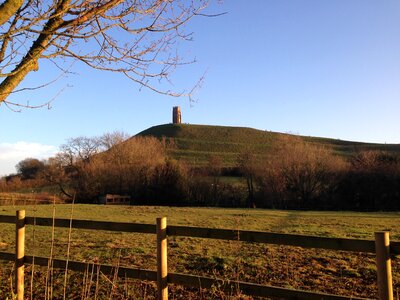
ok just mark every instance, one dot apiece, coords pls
pixel 12 153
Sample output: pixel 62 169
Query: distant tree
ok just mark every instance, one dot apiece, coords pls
pixel 247 165
pixel 3 185
pixel 80 150
pixel 214 169
pixel 372 182
pixel 272 183
pixel 29 168
pixel 111 139
pixel 169 184
pixel 58 173
pixel 12 183
pixel 300 173
pixel 135 38
pixel 129 166
pixel 72 167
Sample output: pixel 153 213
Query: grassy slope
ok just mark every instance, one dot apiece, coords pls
pixel 195 143
pixel 322 270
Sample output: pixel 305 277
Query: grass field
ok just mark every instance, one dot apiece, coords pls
pixel 309 269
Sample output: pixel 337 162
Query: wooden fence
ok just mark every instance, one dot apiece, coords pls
pixel 27 199
pixel 381 247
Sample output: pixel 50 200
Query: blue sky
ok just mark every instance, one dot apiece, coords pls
pixel 315 68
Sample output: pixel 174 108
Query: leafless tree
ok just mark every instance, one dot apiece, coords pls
pixel 81 168
pixel 111 139
pixel 55 172
pixel 214 170
pixel 137 38
pixel 247 163
pixel 80 150
pixel 300 171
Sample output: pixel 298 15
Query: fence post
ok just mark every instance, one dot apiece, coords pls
pixel 19 254
pixel 383 264
pixel 162 270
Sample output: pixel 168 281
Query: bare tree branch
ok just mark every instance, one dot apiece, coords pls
pixel 8 8
pixel 132 37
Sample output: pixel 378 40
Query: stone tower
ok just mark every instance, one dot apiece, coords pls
pixel 176 115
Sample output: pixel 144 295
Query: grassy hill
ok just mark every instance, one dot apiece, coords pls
pixel 196 143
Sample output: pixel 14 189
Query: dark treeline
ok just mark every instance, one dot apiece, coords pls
pixel 311 177
pixel 294 175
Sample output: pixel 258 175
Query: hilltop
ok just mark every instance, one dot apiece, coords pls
pixel 196 143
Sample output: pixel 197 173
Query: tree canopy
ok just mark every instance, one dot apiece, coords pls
pixel 134 37
pixel 29 168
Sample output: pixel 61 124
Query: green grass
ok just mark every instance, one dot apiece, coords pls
pixel 333 224
pixel 195 143
pixel 321 270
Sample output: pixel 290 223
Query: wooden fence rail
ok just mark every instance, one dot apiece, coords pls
pixel 23 199
pixel 196 281
pixel 381 246
pixel 304 241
